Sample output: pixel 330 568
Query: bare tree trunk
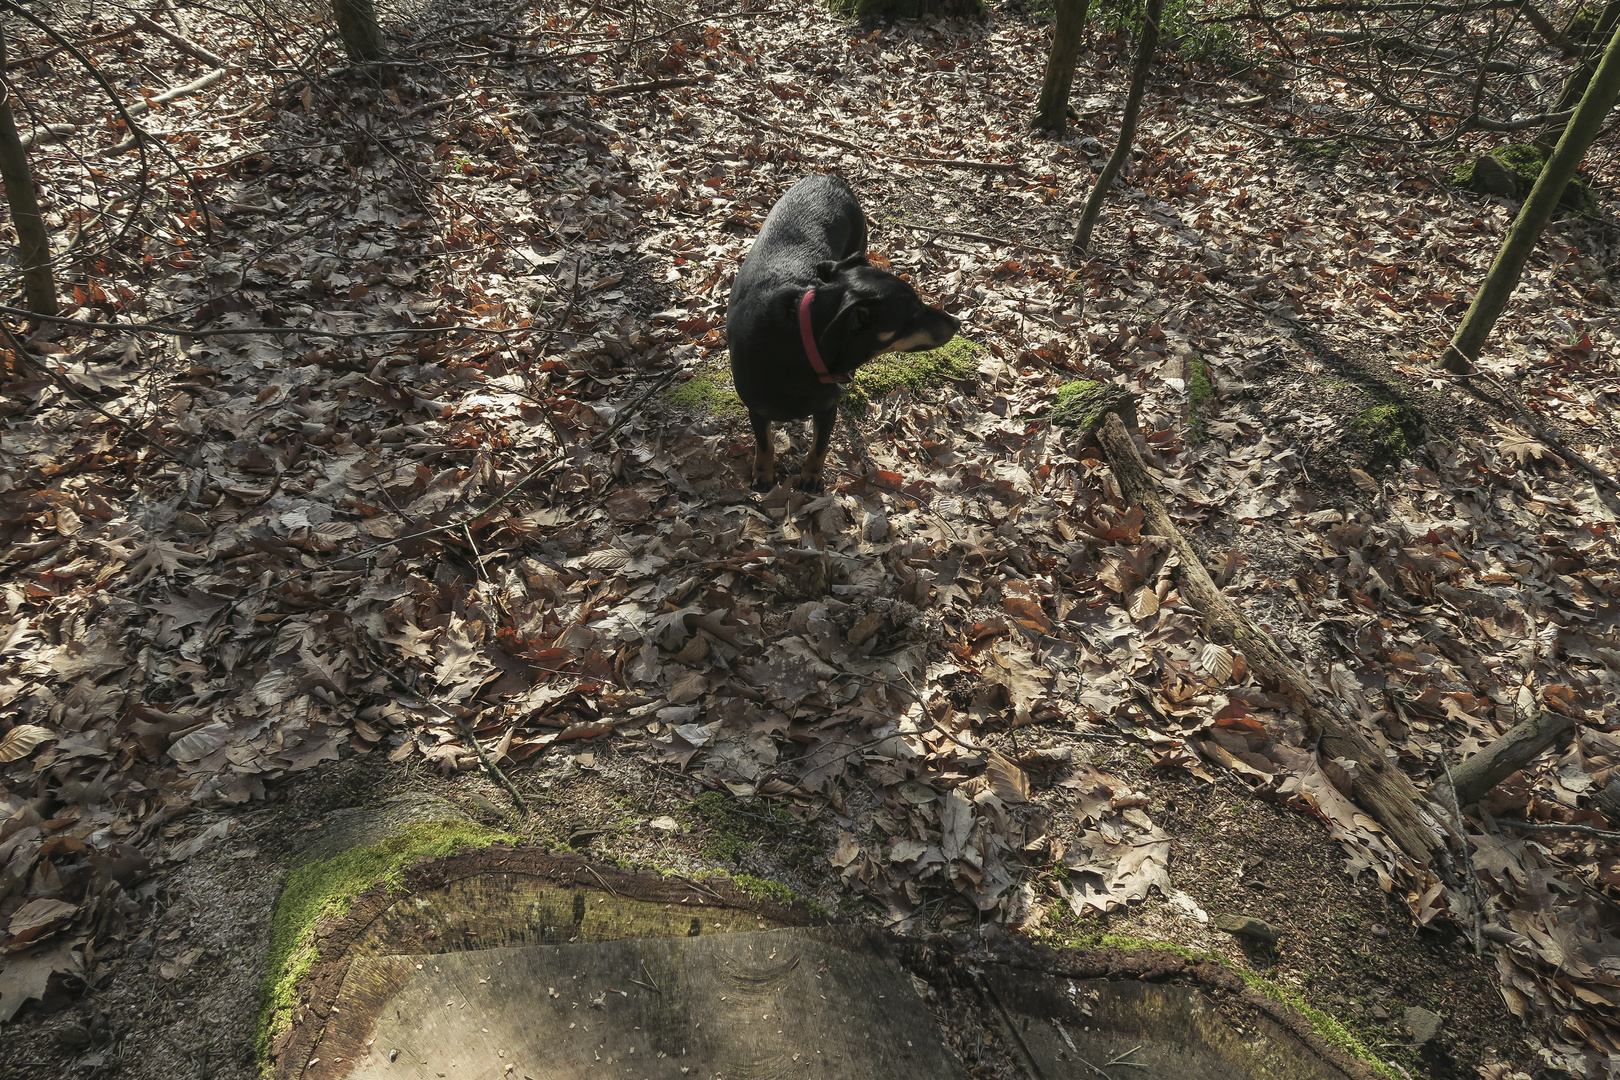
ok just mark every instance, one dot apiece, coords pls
pixel 1499 284
pixel 33 243
pixel 1127 129
pixel 1053 108
pixel 1586 47
pixel 357 25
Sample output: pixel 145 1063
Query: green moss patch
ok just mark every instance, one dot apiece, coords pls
pixel 323 889
pixel 1520 166
pixel 956 359
pixel 709 390
pixel 1393 431
pixel 1200 395
pixel 1082 404
pixel 731 829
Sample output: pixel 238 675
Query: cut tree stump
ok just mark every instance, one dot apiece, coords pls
pixel 1377 786
pixel 512 962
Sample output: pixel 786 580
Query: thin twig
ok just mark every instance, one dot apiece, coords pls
pixel 236 331
pixel 1557 826
pixel 461 724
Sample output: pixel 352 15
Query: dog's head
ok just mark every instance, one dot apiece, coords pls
pixel 877 313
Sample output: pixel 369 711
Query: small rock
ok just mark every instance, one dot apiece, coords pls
pixel 1379 931
pixel 1423 1024
pixel 875 526
pixel 73 1036
pixel 1379 1012
pixel 1249 927
pixel 1491 177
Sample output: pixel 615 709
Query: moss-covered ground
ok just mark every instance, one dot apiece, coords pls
pixel 710 389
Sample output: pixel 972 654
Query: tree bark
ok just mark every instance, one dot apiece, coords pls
pixel 357 25
pixel 33 243
pixel 1507 755
pixel 1127 129
pixel 1378 786
pixel 1460 356
pixel 1053 108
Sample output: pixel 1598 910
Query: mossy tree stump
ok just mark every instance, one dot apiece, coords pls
pixel 496 962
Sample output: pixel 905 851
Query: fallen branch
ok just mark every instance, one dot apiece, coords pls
pixel 48 133
pixel 648 87
pixel 953 163
pixel 26 61
pixel 980 238
pixel 183 44
pixel 141 108
pixel 1383 790
pixel 1508 754
pixel 960 163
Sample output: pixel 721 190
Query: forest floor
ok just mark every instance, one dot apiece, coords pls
pixel 958 691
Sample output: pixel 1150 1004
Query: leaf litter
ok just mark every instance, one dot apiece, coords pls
pixel 922 657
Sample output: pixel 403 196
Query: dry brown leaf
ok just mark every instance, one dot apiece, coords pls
pixel 21 741
pixel 1216 662
pixel 1364 481
pixel 1145 604
pixel 1007 780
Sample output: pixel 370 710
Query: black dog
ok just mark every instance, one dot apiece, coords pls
pixel 807 309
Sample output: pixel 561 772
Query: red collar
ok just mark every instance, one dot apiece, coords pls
pixel 809 338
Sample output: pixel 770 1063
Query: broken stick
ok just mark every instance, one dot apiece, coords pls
pixel 1508 754
pixel 1378 786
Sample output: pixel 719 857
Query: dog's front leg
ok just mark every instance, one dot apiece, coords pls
pixel 810 473
pixel 764 472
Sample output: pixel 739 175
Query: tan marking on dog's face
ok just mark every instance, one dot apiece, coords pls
pixel 906 344
pixel 886 335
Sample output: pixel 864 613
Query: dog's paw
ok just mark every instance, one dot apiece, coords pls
pixel 811 485
pixel 763 484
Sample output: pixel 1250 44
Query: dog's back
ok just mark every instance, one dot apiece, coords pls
pixel 818 219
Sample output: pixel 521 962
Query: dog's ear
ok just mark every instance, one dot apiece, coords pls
pixel 829 270
pixel 851 319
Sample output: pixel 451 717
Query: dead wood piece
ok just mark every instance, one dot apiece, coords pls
pixel 141 108
pixel 1384 791
pixel 185 45
pixel 960 163
pixel 1508 754
pixel 650 87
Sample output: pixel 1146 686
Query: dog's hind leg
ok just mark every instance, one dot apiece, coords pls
pixel 763 477
pixel 810 473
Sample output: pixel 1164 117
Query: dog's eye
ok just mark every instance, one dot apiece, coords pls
pixel 860 316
